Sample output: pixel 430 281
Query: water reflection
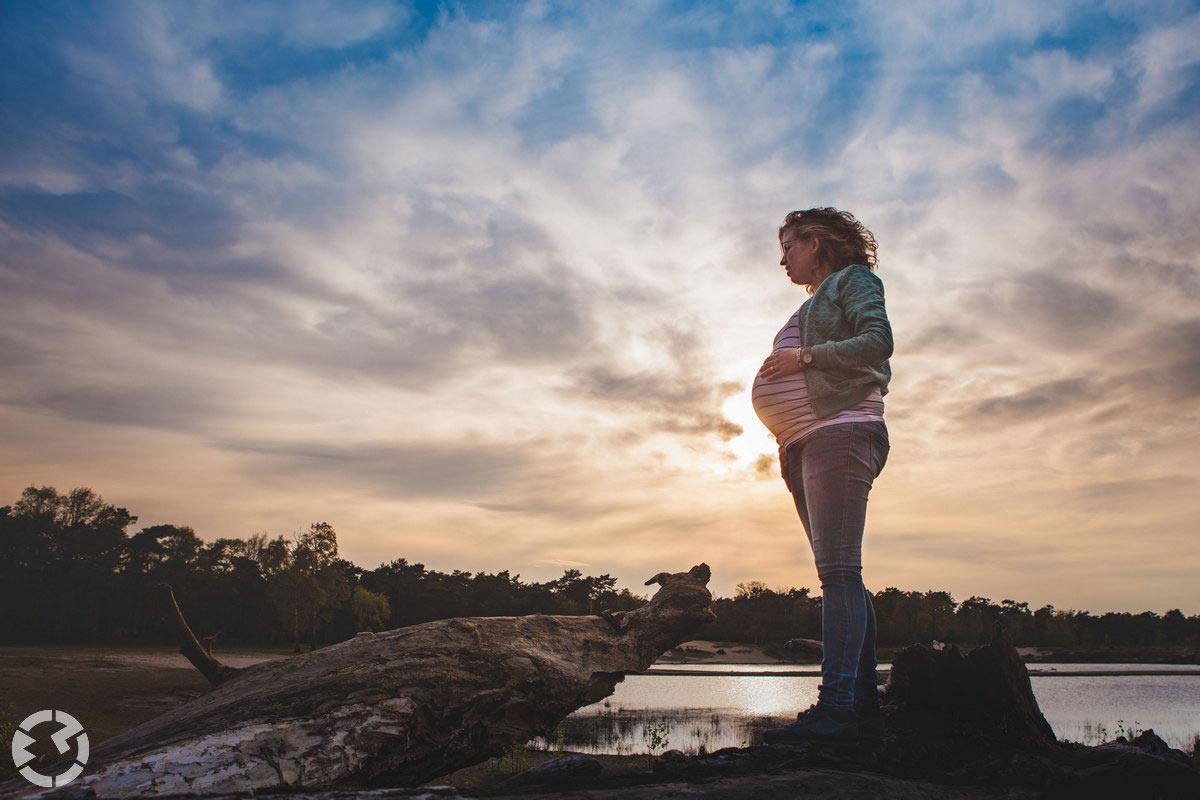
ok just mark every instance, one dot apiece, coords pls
pixel 622 731
pixel 698 714
pixel 1096 709
pixel 746 696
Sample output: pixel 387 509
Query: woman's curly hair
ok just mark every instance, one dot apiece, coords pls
pixel 844 240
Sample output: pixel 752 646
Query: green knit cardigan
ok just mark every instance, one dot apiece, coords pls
pixel 846 325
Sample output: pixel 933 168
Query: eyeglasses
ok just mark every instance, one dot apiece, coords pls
pixel 784 245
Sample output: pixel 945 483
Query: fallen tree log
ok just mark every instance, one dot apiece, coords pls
pixel 391 709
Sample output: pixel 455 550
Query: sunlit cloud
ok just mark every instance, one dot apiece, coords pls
pixel 487 289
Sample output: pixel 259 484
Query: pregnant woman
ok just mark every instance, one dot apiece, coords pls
pixel 820 392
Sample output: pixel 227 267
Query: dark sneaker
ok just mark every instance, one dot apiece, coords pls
pixel 818 724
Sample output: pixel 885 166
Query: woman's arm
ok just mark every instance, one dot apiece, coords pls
pixel 860 296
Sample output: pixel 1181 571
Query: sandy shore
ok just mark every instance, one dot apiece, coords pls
pixel 700 651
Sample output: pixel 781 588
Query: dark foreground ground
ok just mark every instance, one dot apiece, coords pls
pixel 113 689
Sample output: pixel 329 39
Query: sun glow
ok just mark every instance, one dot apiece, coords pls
pixel 754 440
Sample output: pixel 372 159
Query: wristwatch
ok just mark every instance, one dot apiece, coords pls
pixel 804 356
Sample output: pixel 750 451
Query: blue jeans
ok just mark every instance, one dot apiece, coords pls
pixel 830 473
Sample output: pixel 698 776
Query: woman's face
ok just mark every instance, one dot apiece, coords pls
pixel 800 258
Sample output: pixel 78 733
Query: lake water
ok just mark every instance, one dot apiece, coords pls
pixel 694 712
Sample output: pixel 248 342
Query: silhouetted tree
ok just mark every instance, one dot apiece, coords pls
pixel 370 610
pixel 70 571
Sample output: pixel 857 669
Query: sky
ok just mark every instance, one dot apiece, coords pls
pixel 485 285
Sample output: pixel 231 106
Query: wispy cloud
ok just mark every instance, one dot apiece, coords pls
pixel 480 286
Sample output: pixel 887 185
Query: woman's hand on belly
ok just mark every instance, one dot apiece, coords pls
pixel 779 364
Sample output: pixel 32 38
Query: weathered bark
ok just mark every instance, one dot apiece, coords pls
pixel 395 708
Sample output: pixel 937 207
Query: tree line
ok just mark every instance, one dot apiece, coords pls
pixel 763 616
pixel 71 571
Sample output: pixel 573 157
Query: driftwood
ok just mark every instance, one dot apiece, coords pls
pixel 391 709
pixel 803 649
pixel 201 656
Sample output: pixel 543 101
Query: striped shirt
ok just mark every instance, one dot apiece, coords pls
pixel 783 404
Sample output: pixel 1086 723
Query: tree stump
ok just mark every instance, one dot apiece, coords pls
pixel 945 709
